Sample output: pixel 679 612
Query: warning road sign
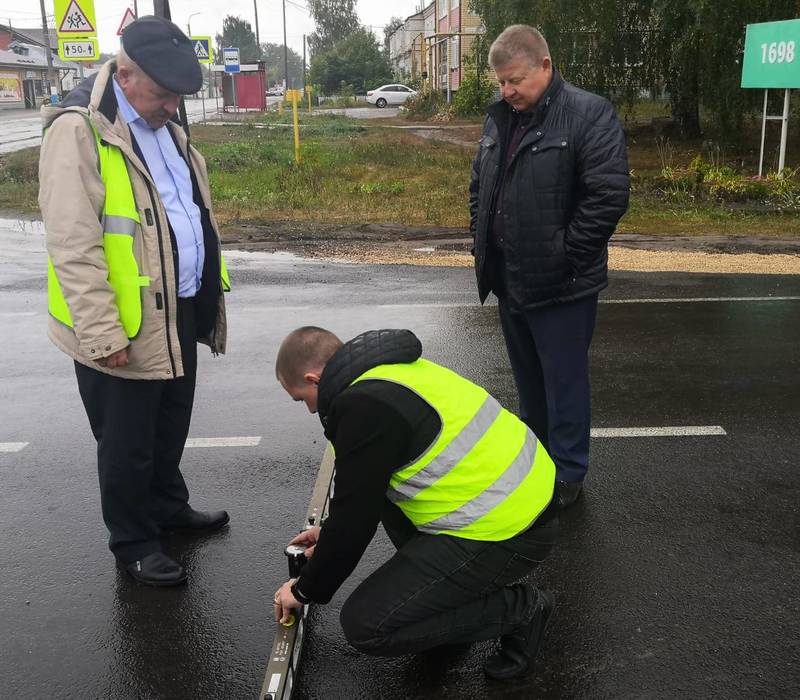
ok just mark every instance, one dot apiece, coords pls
pixel 75 18
pixel 127 18
pixel 202 49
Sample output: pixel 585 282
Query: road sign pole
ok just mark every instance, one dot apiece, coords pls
pixel 51 74
pixel 784 131
pixel 763 135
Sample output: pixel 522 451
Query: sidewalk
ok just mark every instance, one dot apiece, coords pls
pixel 17 113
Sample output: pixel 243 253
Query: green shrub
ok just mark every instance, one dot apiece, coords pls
pixel 425 104
pixel 473 96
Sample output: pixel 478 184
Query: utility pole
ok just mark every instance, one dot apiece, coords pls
pixel 285 50
pixel 51 77
pixel 305 81
pixel 161 9
pixel 258 41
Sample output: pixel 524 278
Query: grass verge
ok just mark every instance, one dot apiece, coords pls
pixel 356 173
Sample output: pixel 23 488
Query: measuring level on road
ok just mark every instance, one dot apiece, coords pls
pixel 287 646
pixel 84 49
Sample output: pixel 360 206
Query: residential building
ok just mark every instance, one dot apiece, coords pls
pixel 24 69
pixel 406 45
pixel 434 42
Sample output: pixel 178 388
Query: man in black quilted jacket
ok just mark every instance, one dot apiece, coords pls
pixel 549 184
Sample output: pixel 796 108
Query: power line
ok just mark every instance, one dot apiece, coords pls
pixel 304 8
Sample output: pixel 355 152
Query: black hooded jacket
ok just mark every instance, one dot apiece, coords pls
pixel 563 191
pixel 376 427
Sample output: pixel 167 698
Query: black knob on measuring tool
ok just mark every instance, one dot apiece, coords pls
pixel 296 554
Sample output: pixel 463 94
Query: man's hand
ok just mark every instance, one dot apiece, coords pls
pixel 117 359
pixel 309 538
pixel 285 602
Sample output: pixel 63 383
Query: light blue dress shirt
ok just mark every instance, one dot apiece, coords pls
pixel 174 184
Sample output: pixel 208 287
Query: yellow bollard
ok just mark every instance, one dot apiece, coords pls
pixel 280 106
pixel 308 92
pixel 295 97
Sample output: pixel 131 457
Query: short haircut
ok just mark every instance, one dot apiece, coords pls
pixel 305 349
pixel 518 41
pixel 124 60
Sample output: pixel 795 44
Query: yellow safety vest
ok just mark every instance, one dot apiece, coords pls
pixel 120 220
pixel 485 477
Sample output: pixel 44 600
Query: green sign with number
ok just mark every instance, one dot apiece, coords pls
pixel 772 55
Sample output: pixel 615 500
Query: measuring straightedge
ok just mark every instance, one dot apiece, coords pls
pixel 284 660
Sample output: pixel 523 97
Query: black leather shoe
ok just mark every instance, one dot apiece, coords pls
pixel 518 650
pixel 191 520
pixel 568 492
pixel 156 569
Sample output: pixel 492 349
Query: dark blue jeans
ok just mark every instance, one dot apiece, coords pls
pixel 549 353
pixel 440 590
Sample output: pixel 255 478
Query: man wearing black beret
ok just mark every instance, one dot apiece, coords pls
pixel 135 281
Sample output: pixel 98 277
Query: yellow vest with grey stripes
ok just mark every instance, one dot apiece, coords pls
pixel 485 476
pixel 120 220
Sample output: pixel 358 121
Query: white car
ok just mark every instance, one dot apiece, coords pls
pixel 390 95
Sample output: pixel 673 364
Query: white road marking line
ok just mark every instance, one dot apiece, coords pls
pixel 6 314
pixel 688 300
pixel 251 441
pixel 475 305
pixel 694 300
pixel 12 446
pixel 664 431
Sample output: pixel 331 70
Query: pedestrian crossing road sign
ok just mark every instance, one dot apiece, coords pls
pixel 75 18
pixel 202 49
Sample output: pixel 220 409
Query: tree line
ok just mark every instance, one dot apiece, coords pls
pixel 689 50
pixel 345 57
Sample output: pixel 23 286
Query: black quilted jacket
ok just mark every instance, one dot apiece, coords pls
pixel 565 190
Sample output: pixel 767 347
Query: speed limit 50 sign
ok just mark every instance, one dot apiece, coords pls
pixel 83 49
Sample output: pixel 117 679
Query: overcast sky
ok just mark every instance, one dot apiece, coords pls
pixel 210 13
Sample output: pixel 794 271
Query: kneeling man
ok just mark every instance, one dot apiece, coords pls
pixel 463 488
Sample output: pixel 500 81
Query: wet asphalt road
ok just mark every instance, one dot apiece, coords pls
pixel 676 576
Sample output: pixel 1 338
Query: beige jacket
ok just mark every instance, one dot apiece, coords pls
pixel 71 197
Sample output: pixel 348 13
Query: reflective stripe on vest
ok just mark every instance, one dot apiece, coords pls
pixel 485 476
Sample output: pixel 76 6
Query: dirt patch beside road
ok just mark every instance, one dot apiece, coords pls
pixel 394 244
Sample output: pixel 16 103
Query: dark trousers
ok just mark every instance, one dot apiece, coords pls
pixel 549 353
pixel 439 590
pixel 141 427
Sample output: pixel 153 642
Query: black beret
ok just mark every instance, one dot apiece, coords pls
pixel 164 53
